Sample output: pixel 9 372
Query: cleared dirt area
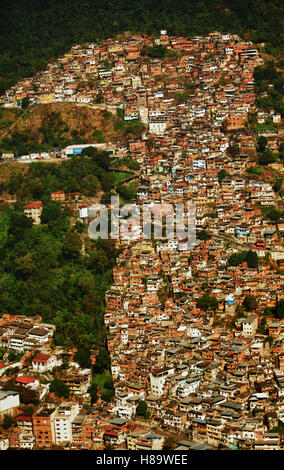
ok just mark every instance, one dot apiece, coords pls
pixel 83 119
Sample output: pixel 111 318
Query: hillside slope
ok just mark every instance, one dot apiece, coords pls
pixel 71 118
pixel 34 31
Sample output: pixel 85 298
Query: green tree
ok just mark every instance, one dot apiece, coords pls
pixel 252 259
pixel 142 409
pixel 50 212
pixel 7 422
pixel 90 185
pixel 25 102
pixel 207 302
pixel 2 352
pixel 266 158
pixel 19 223
pixel 250 303
pixel 89 152
pixel 278 185
pixel 261 144
pixel 72 245
pixel 262 327
pixel 222 174
pixel 170 443
pixel 82 355
pixel 14 356
pixel 203 235
pixel 102 361
pixel 59 388
pixel 93 391
pixel 278 311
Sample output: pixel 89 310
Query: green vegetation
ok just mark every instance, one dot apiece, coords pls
pixel 266 158
pixel 250 302
pixel 14 356
pixel 203 235
pixel 43 270
pixel 93 391
pixel 207 302
pixel 127 192
pixel 59 388
pixel 281 152
pixel 266 126
pixel 262 327
pixel 85 175
pixel 118 177
pixel 271 213
pixel 99 136
pixel 156 52
pixel 142 410
pixel 103 382
pixel 102 362
pixel 126 162
pixel 128 128
pixel 261 144
pixel 254 170
pixel 53 133
pixel 277 311
pixel 7 422
pixel 269 88
pixel 278 185
pixel 250 257
pixel 2 352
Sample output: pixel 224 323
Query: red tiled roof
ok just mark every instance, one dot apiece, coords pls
pixel 24 418
pixel 34 205
pixel 24 379
pixel 41 358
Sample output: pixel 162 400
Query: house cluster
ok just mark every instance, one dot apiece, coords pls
pixel 33 210
pixel 190 333
pixel 69 425
pixel 22 333
pixel 29 365
pixel 118 66
pixel 211 375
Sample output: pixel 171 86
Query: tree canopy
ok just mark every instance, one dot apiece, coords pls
pixel 44 271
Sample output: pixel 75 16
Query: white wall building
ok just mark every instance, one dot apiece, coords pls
pixel 62 422
pixel 8 400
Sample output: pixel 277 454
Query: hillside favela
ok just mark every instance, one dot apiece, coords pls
pixel 144 343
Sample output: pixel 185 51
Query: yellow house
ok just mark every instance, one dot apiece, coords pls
pixel 47 98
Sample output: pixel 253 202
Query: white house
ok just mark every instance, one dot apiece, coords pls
pixel 158 378
pixel 45 362
pixel 62 421
pixel 8 400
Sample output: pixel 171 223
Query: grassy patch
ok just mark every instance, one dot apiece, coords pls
pixel 254 170
pixel 118 177
pixel 267 126
pixel 102 379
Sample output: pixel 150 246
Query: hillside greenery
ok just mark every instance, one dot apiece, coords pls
pixel 86 175
pixel 54 269
pixel 43 271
